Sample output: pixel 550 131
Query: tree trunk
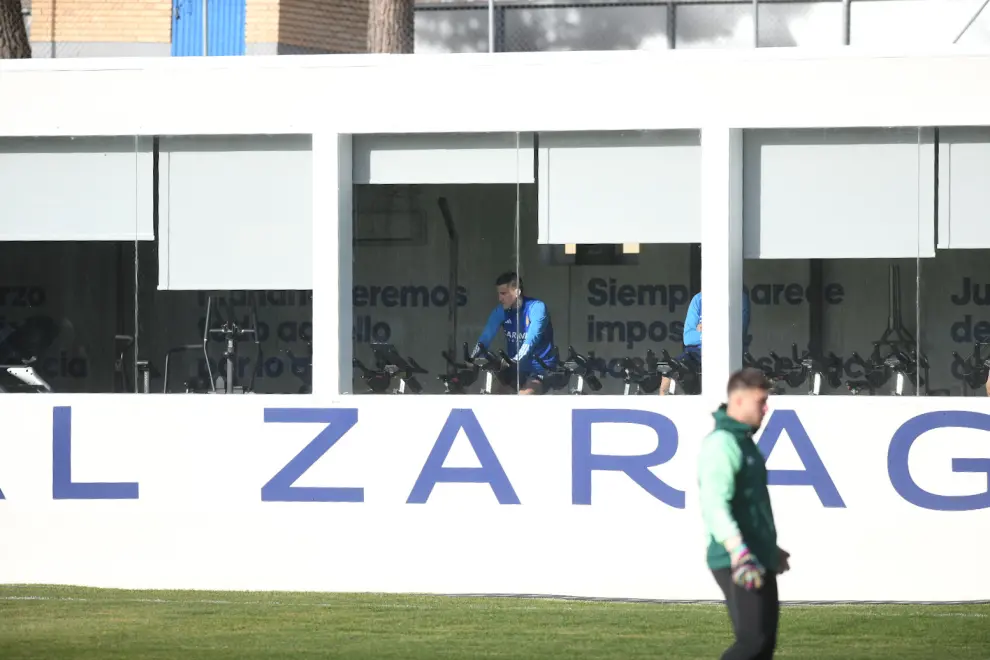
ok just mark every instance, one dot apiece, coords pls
pixel 14 44
pixel 390 26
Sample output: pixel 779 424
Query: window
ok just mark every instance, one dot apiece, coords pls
pixel 72 211
pixel 225 290
pixel 140 264
pixel 836 226
pixel 955 282
pixel 601 232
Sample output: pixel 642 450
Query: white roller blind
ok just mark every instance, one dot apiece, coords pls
pixel 76 189
pixel 838 194
pixel 638 187
pixel 964 188
pixel 444 158
pixel 235 213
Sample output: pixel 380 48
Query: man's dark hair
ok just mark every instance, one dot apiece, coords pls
pixel 747 379
pixel 509 278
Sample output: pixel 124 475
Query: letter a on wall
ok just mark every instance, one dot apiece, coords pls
pixel 814 474
pixel 490 472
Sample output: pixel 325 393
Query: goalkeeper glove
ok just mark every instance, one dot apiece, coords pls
pixel 747 572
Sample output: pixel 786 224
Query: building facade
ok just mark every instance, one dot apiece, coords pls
pixel 846 191
pixel 102 28
pixel 150 28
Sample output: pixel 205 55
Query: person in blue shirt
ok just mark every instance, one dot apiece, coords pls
pixel 692 333
pixel 528 333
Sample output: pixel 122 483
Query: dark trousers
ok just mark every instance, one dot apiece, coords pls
pixel 754 614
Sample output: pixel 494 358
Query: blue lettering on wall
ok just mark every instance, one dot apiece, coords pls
pixel 490 472
pixel 779 293
pixel 814 474
pixel 338 421
pixel 967 330
pixel 900 450
pixel 610 293
pixel 22 296
pixel 631 333
pixel 637 468
pixel 63 488
pixel 367 330
pixel 971 294
pixel 406 295
pixel 261 298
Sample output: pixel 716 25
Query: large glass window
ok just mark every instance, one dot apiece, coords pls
pixel 573 258
pixel 955 283
pixel 142 264
pixel 225 290
pixel 836 226
pixel 71 212
pixel 435 227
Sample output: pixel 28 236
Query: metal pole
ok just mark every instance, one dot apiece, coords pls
pixel 846 23
pixel 972 20
pixel 205 23
pixel 756 23
pixel 491 26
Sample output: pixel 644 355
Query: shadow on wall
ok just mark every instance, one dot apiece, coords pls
pixel 628 27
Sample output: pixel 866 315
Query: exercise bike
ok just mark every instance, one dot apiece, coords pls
pixel 584 368
pixel 903 361
pixel 975 368
pixel 232 333
pixel 780 374
pixel 817 370
pixel 646 377
pixel 902 365
pixel 683 374
pixel 389 364
pixel 459 376
pixel 496 367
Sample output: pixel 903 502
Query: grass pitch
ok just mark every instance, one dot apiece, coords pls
pixel 70 623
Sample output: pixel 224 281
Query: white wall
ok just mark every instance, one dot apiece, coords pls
pixel 199 520
pixel 754 88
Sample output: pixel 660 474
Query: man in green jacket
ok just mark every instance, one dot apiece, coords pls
pixel 735 506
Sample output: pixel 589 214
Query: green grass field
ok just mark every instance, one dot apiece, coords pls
pixel 64 622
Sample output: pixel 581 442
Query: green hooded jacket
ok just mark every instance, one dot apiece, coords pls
pixel 732 480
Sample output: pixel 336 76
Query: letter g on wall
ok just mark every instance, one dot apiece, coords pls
pixel 900 450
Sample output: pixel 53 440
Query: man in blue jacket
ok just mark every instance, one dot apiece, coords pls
pixel 528 333
pixel 692 333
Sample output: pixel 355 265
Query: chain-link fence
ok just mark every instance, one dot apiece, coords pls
pixel 546 25
pixel 96 28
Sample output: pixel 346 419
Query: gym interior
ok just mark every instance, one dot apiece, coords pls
pixel 184 264
pixel 864 258
pixel 156 264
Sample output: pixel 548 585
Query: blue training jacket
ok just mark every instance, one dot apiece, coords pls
pixel 536 333
pixel 691 335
